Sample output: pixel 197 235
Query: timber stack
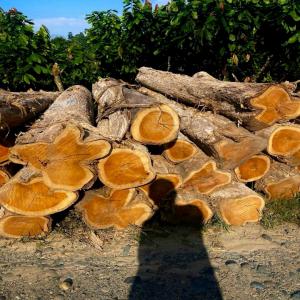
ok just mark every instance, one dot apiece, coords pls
pixel 186 148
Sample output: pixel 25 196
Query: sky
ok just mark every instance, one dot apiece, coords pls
pixel 62 16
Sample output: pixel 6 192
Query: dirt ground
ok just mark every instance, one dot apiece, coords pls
pixel 157 262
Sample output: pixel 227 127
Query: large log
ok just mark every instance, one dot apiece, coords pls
pixel 63 145
pixel 230 145
pixel 18 108
pixel 254 105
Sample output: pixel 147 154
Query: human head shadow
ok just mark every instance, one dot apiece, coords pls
pixel 173 261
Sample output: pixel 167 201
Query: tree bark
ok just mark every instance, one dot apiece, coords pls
pixel 254 105
pixel 18 108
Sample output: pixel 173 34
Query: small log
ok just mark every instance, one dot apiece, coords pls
pixel 4 153
pixel 280 183
pixel 59 145
pixel 115 208
pixel 253 169
pixel 126 168
pixel 28 195
pixel 4 177
pixel 118 108
pixel 18 108
pixel 283 142
pixel 255 105
pixel 180 150
pixel 14 226
pixel 230 145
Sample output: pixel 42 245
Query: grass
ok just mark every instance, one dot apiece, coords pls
pixel 281 211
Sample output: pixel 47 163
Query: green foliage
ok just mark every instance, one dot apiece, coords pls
pixel 257 39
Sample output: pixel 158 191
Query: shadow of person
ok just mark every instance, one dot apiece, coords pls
pixel 173 261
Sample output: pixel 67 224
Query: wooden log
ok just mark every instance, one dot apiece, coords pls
pixel 4 153
pixel 14 226
pixel 63 145
pixel 106 208
pixel 283 142
pixel 230 145
pixel 18 108
pixel 150 124
pixel 254 105
pixel 4 177
pixel 253 169
pixel 28 195
pixel 280 183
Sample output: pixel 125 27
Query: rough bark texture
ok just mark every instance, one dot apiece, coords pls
pixel 234 99
pixel 281 182
pixel 18 108
pixel 229 144
pixel 106 208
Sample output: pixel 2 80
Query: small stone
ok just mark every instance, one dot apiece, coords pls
pixel 232 264
pixel 266 237
pixel 295 295
pixel 257 285
pixel 66 284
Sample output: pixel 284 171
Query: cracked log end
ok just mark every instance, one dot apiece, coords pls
pixel 34 198
pixel 126 168
pixel 65 162
pixel 283 189
pixel 284 141
pixel 24 226
pixel 239 211
pixel 253 169
pixel 180 151
pixel 276 105
pixel 120 209
pixel 4 153
pixel 4 177
pixel 195 211
pixel 163 184
pixel 155 126
pixel 207 179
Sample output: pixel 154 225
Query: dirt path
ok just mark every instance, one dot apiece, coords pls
pixel 161 263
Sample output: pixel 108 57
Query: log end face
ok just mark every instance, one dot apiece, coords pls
pixel 155 126
pixel 4 177
pixel 240 211
pixel 126 168
pixel 4 154
pixel 253 169
pixel 24 226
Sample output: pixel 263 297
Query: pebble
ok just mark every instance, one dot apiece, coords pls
pixel 232 264
pixel 66 284
pixel 266 237
pixel 295 295
pixel 257 285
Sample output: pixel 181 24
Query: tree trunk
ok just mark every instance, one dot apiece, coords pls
pixel 254 105
pixel 59 145
pixel 281 182
pixel 18 108
pixel 230 145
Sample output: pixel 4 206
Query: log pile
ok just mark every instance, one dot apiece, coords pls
pixel 185 147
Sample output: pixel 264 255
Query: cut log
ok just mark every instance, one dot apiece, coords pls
pixel 230 145
pixel 18 108
pixel 237 204
pixel 118 208
pixel 126 168
pixel 28 195
pixel 180 150
pixel 4 152
pixel 22 226
pixel 255 105
pixel 253 169
pixel 155 126
pixel 54 146
pixel 280 183
pixel 283 142
pixel 118 108
pixel 4 177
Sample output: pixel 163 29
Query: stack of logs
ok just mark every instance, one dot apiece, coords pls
pixel 188 147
